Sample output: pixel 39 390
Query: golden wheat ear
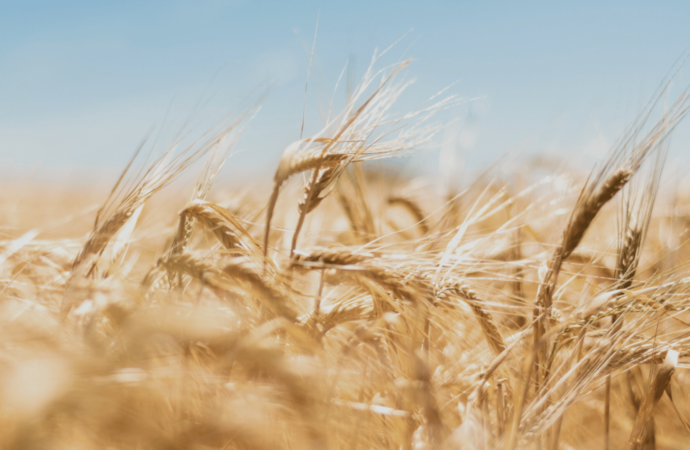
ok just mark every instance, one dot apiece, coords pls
pixel 114 215
pixel 265 290
pixel 214 163
pixel 294 161
pixel 219 221
pixel 359 134
pixel 627 156
pixel 635 216
pixel 484 317
pixel 321 180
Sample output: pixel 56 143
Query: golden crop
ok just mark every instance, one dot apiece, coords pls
pixel 348 307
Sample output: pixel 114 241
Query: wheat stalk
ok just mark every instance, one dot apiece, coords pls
pixel 654 393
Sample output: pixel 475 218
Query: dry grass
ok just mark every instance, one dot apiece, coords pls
pixel 386 316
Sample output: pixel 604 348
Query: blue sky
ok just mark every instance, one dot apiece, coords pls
pixel 82 82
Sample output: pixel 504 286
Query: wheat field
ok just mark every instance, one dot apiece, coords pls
pixel 349 306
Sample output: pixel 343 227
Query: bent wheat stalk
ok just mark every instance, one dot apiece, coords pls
pixel 656 389
pixel 414 209
pixel 319 181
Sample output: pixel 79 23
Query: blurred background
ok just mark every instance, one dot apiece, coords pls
pixel 84 82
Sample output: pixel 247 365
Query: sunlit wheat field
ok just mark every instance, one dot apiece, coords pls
pixel 349 304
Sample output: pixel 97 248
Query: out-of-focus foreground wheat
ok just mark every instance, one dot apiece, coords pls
pixel 345 308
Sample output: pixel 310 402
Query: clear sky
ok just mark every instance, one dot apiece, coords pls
pixel 82 82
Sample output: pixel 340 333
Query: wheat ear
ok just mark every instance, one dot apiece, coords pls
pixel 229 231
pixel 311 190
pixel 265 291
pixel 591 201
pixel 486 321
pixel 291 165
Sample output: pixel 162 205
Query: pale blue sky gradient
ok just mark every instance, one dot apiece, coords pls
pixel 82 82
